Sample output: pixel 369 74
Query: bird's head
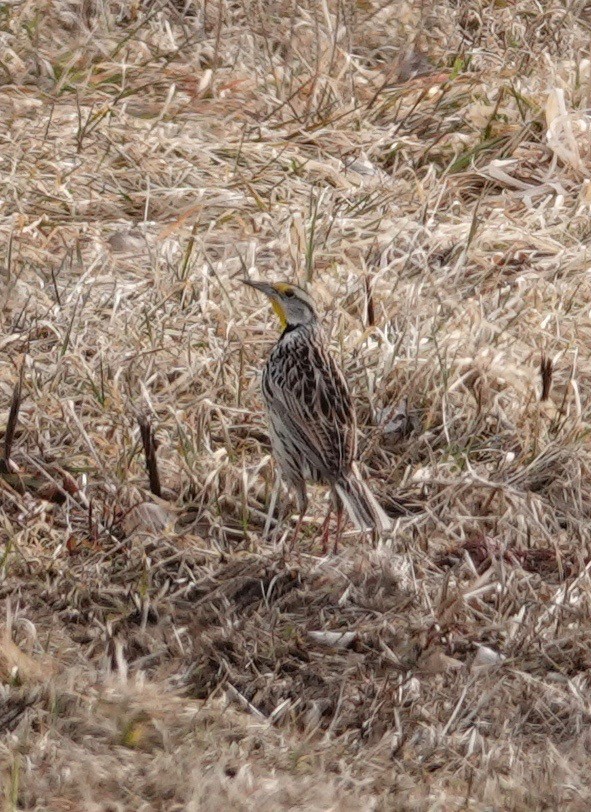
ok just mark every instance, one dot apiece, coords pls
pixel 292 304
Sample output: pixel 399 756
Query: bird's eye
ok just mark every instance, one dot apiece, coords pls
pixel 288 293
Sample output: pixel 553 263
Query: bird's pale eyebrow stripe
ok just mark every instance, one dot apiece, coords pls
pixel 281 287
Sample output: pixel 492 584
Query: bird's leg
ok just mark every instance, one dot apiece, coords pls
pixel 296 532
pixel 302 507
pixel 339 530
pixel 324 533
pixel 272 504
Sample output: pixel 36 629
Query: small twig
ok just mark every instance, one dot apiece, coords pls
pixel 546 371
pixel 235 694
pixel 149 443
pixel 13 419
pixel 369 304
pixel 92 526
pixel 455 713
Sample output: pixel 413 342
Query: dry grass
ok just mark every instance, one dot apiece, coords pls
pixel 427 167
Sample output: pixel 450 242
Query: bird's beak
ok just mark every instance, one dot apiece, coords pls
pixel 264 287
pixel 273 295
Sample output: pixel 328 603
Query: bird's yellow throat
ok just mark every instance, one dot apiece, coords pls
pixel 280 313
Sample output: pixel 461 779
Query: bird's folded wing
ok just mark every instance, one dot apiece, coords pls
pixel 313 402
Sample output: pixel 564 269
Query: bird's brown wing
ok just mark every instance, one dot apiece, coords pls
pixel 305 389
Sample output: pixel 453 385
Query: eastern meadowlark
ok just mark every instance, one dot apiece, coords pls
pixel 311 418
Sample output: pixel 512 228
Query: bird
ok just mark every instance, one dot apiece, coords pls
pixel 311 418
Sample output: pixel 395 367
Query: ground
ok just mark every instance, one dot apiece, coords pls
pixel 425 168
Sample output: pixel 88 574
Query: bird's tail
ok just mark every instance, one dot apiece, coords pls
pixel 361 504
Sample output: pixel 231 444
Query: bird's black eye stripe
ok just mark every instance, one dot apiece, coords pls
pixel 288 293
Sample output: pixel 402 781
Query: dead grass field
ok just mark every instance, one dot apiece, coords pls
pixel 426 166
